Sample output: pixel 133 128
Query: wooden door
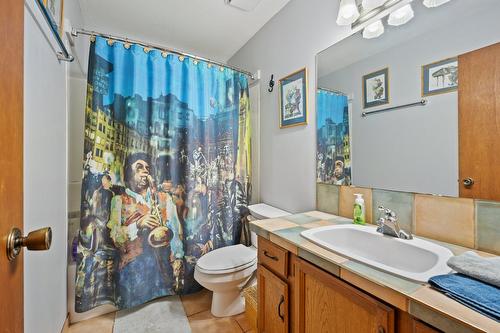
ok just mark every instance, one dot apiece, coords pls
pixel 479 122
pixel 11 159
pixel 272 302
pixel 327 304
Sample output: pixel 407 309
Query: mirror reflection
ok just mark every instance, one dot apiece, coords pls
pixel 401 111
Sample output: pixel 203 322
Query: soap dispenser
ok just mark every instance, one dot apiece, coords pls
pixel 359 209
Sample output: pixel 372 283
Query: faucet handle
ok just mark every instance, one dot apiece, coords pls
pixel 388 212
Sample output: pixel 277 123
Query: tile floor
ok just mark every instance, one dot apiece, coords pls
pixel 197 308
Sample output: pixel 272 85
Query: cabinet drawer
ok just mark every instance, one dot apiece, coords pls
pixel 273 257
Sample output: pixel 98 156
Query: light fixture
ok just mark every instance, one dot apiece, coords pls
pixel 434 3
pixel 373 30
pixel 401 15
pixel 372 4
pixel 348 12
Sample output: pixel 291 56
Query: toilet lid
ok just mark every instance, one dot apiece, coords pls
pixel 227 259
pixel 264 211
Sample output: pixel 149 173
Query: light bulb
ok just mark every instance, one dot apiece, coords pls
pixel 348 12
pixel 372 4
pixel 373 30
pixel 401 15
pixel 434 3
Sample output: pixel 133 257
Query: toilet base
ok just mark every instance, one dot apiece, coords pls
pixel 227 303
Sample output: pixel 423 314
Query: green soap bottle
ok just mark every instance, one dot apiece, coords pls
pixel 359 209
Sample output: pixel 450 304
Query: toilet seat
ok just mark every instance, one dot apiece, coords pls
pixel 228 259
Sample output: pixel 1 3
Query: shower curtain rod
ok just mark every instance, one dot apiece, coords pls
pixel 338 92
pixel 76 32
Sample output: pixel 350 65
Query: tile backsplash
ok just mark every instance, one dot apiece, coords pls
pixel 327 198
pixel 446 219
pixel 346 201
pixel 465 222
pixel 400 202
pixel 488 226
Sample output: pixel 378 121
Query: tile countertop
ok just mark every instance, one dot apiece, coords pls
pixel 417 299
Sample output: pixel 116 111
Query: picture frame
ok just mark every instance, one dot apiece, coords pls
pixel 376 88
pixel 293 99
pixel 56 11
pixel 440 77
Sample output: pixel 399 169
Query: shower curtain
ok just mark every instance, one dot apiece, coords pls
pixel 166 172
pixel 333 144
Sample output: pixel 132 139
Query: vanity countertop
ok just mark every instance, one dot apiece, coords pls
pixel 417 299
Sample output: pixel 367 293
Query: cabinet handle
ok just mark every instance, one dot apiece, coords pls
pixel 270 256
pixel 282 300
pixel 381 329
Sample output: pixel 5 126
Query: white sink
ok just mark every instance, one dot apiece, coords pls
pixel 414 259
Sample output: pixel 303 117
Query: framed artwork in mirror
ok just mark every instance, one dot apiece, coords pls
pixel 440 77
pixel 376 88
pixel 293 99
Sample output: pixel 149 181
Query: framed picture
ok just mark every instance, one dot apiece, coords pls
pixel 440 77
pixel 376 88
pixel 293 99
pixel 56 10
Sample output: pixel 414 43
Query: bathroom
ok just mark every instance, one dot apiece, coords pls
pixel 341 175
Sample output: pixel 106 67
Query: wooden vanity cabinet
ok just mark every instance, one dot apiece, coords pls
pixel 419 327
pixel 405 323
pixel 275 288
pixel 273 304
pixel 325 303
pixel 296 296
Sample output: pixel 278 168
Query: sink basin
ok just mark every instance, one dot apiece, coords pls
pixel 414 259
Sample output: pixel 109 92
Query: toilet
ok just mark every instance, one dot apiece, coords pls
pixel 226 271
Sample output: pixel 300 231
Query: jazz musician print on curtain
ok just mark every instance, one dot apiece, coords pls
pixel 333 144
pixel 166 172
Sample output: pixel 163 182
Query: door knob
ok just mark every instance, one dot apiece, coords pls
pixel 38 240
pixel 468 182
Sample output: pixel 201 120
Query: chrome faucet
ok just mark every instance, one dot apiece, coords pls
pixel 388 225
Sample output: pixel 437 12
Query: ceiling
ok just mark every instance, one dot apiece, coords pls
pixel 207 28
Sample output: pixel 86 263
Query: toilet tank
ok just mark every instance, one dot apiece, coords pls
pixel 263 211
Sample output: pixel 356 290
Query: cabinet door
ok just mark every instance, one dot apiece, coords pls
pixel 327 304
pixel 273 302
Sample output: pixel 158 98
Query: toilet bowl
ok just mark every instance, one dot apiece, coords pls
pixel 225 271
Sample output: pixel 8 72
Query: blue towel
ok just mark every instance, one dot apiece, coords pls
pixel 479 296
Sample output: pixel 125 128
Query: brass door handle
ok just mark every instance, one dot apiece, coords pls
pixel 468 182
pixel 38 240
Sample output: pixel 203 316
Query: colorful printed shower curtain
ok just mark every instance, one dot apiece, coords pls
pixel 333 151
pixel 166 174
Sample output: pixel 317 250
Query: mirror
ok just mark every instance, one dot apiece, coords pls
pixel 410 73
